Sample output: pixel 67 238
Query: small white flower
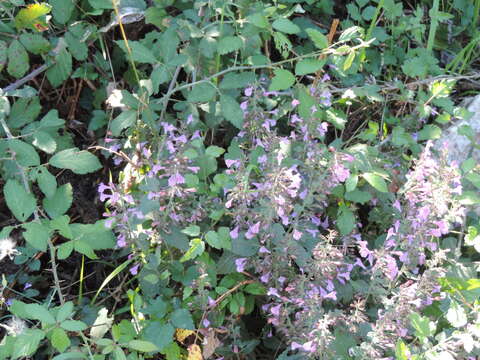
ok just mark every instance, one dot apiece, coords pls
pixel 15 326
pixel 7 248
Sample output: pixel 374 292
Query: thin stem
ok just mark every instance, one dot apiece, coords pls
pixel 26 78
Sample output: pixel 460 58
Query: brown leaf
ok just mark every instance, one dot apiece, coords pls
pixel 194 352
pixel 210 343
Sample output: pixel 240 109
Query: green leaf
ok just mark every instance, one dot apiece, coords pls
pixel 337 117
pixel 197 246
pixel 182 319
pixel 20 203
pixel 348 61
pixel 46 181
pixel 282 80
pixel 64 311
pixel 201 93
pixel 214 151
pixel 65 250
pixel 153 328
pixel 33 16
pixel 231 111
pixel 423 327
pixel 351 182
pixel 142 346
pixel 60 202
pixel 255 289
pixel 18 63
pixel 213 239
pixel 71 355
pixel 308 66
pixel 229 44
pixel 401 351
pixel 78 49
pixel 192 230
pixel 35 43
pixel 85 249
pixel 25 154
pixel 429 132
pixel 80 162
pixel 358 196
pixel 27 343
pixel 73 325
pixel 320 40
pixel 39 312
pixel 123 121
pixel 376 181
pixel 37 235
pixel 258 19
pixel 60 340
pixel 346 220
pixel 456 315
pixel 286 26
pixel 140 53
pixel 44 141
pixel 237 80
pixel 97 236
pixel 62 10
pixel 62 69
pixel 3 54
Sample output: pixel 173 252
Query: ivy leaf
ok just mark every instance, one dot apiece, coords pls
pixel 80 162
pixel 20 203
pixel 231 111
pixel 319 40
pixel 282 80
pixel 376 181
pixel 37 235
pixel 286 26
pixel 18 62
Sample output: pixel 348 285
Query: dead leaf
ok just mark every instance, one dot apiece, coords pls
pixel 194 352
pixel 210 343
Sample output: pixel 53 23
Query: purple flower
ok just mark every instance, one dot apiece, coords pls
pixel 134 269
pixel 248 91
pixel 325 98
pixel 121 242
pixel 275 310
pixel 189 119
pixel 253 230
pixel 265 277
pixel 322 128
pixel 273 292
pixel 340 172
pixel 176 179
pixel 297 235
pixel 295 103
pixel 234 233
pixel 206 323
pixel 27 286
pixel 240 264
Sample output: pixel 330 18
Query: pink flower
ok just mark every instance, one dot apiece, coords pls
pixel 234 233
pixel 176 179
pixel 253 230
pixel 297 235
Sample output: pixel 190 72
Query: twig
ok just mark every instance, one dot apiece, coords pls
pixel 26 78
pixel 167 97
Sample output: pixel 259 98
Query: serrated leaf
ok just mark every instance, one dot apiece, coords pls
pixel 85 249
pixel 36 235
pixel 358 196
pixel 229 44
pixel 376 181
pixel 123 121
pixel 27 343
pixel 46 182
pixel 60 340
pixel 197 246
pixel 213 239
pixel 39 312
pixel 64 311
pixel 73 325
pixel 282 80
pixel 430 132
pixel 62 10
pixel 60 202
pixel 346 221
pixel 203 92
pixel 192 230
pixel 142 346
pixel 80 162
pixel 78 49
pixel 286 26
pixel 3 54
pixel 308 66
pixel 182 319
pixel 20 203
pixel 35 43
pixel 44 141
pixel 25 154
pixel 65 250
pixel 231 111
pixel 33 17
pixel 319 40
pixel 140 53
pixel 214 151
pixel 18 62
pixel 237 80
pixel 61 70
